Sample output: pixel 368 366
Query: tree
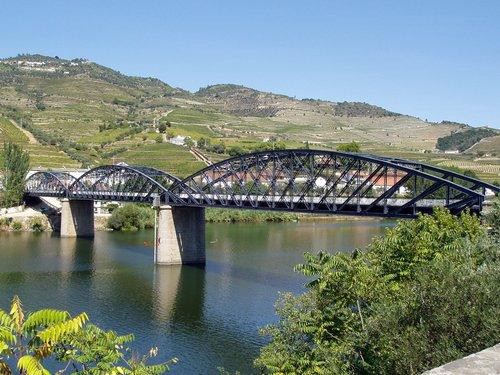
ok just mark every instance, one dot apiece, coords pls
pixel 396 308
pixel 131 217
pixel 236 151
pixel 54 336
pixel 204 143
pixel 16 166
pixel 349 147
pixel 219 148
pixel 162 128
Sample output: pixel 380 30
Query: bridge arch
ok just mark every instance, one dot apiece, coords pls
pixel 125 183
pixel 327 182
pixel 49 183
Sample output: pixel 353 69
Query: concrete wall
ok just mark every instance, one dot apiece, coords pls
pixel 77 218
pixel 180 236
pixel 486 362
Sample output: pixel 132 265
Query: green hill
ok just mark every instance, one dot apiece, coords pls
pixel 83 113
pixel 461 141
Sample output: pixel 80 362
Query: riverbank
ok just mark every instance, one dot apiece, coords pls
pixel 221 215
pixel 25 219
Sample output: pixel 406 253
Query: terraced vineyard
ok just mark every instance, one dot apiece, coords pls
pixel 42 156
pixel 97 115
pixel 168 157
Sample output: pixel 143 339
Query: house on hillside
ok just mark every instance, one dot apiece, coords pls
pixel 178 140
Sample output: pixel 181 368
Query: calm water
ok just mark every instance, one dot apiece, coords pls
pixel 207 317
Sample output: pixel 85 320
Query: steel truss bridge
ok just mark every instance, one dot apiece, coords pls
pixel 312 181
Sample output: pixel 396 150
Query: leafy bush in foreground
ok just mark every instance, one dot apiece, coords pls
pixel 67 342
pixel 424 294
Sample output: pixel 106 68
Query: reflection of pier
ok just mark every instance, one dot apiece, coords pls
pixel 179 292
pixel 311 181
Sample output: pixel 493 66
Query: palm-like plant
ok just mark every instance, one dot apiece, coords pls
pixel 82 349
pixel 30 340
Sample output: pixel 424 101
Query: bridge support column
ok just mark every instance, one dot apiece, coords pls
pixel 180 235
pixel 77 218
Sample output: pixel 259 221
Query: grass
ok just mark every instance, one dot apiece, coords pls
pixel 75 120
pixel 82 88
pixel 40 156
pixel 10 133
pixel 104 136
pixel 192 116
pixel 193 131
pixel 170 158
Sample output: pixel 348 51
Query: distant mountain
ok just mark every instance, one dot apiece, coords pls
pixel 245 101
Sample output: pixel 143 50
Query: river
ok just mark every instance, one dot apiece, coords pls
pixel 205 316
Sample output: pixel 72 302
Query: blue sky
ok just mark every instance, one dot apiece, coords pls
pixel 438 60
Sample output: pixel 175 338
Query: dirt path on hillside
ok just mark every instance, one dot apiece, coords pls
pixel 199 156
pixel 31 138
pixel 155 120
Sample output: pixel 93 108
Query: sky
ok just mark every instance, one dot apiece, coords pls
pixel 437 60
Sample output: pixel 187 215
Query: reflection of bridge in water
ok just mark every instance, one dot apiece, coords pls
pixel 312 181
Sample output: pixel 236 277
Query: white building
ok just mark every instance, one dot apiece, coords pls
pixel 178 140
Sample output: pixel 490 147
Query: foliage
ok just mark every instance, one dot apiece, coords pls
pixel 99 352
pixel 162 128
pixel 358 109
pixel 16 166
pixel 53 335
pixel 422 295
pixel 461 141
pixel 17 226
pixel 493 218
pixel 5 222
pixel 448 310
pixel 220 215
pixel 34 338
pixel 414 243
pixel 349 147
pixel 131 217
pixel 36 224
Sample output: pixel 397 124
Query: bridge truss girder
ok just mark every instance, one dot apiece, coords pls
pixel 313 181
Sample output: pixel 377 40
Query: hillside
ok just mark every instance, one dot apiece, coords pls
pixel 89 114
pixel 462 141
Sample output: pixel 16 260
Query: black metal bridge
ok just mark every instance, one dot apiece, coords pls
pixel 311 181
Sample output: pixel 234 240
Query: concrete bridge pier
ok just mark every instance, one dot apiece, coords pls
pixel 180 235
pixel 77 218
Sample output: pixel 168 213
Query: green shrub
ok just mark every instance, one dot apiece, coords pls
pixel 349 147
pixel 36 224
pixel 493 218
pixel 17 226
pixel 221 215
pixel 447 311
pixel 5 222
pixel 131 217
pixel 111 207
